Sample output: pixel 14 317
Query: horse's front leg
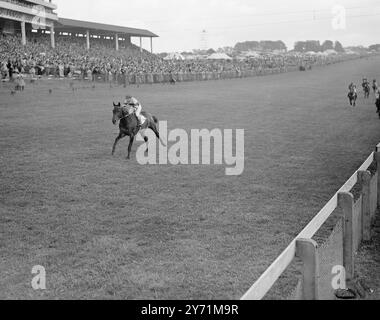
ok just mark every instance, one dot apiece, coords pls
pixel 131 140
pixel 119 137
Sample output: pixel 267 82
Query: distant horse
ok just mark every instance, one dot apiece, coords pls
pixel 367 90
pixel 129 125
pixel 378 105
pixel 352 96
pixel 375 87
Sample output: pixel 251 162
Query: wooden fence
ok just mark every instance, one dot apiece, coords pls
pixel 358 216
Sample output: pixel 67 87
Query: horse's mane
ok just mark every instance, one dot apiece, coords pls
pixel 124 110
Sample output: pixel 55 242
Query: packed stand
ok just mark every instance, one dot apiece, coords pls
pixel 71 58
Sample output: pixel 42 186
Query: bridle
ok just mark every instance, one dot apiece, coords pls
pixel 126 116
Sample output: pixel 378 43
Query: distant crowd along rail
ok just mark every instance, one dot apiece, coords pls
pixel 150 78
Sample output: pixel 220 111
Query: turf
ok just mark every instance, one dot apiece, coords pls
pixel 108 228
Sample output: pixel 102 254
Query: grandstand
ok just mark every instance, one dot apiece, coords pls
pixel 25 17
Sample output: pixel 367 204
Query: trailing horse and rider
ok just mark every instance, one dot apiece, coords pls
pixel 132 121
pixel 378 102
pixel 366 88
pixel 352 95
pixel 375 86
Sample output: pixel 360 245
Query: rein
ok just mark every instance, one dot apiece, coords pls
pixel 125 117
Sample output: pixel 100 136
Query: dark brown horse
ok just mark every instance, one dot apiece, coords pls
pixel 366 89
pixel 352 96
pixel 129 125
pixel 378 105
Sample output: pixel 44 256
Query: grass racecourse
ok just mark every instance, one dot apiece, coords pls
pixel 108 228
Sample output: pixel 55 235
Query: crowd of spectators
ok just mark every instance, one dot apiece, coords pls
pixel 71 58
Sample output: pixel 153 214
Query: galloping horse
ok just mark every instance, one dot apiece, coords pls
pixel 129 125
pixel 366 89
pixel 352 96
pixel 375 86
pixel 378 103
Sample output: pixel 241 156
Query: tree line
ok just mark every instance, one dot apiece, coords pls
pixel 300 46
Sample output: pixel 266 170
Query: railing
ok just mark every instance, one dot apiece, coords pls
pixel 357 219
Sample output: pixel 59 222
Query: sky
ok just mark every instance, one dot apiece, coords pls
pixel 183 25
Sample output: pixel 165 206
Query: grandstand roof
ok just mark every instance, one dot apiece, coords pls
pixel 69 23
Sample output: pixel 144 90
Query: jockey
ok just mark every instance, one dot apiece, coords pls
pixel 136 105
pixel 365 83
pixel 352 87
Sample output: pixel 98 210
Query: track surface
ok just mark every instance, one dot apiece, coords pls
pixel 105 227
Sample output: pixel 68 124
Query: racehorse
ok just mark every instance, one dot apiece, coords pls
pixel 378 104
pixel 352 96
pixel 367 90
pixel 129 125
pixel 375 86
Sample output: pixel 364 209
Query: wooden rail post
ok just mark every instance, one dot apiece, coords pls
pixel 346 202
pixel 377 158
pixel 306 250
pixel 365 179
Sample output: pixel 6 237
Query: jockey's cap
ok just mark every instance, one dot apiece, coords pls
pixel 128 99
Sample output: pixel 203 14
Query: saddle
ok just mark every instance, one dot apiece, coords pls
pixel 352 94
pixel 142 119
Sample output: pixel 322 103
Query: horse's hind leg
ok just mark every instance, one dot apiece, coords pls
pixel 154 129
pixel 119 137
pixel 146 139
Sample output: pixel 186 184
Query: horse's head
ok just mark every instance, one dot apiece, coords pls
pixel 117 113
pixel 120 112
